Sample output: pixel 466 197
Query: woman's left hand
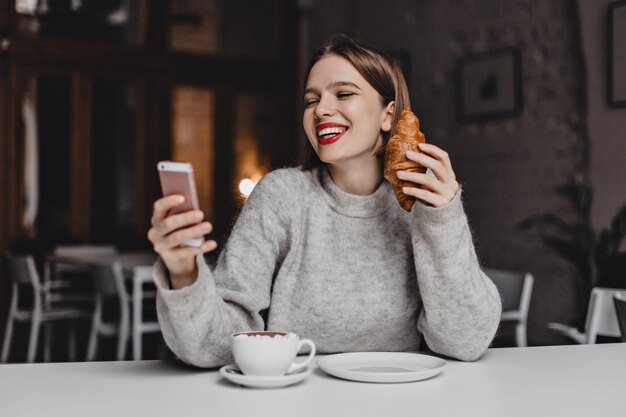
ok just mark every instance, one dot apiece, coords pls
pixel 437 190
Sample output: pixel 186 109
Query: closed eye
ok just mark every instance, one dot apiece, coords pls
pixel 310 101
pixel 344 95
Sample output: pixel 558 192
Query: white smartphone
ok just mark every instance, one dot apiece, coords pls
pixel 177 178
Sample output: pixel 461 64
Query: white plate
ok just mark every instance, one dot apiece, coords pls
pixel 233 374
pixel 381 366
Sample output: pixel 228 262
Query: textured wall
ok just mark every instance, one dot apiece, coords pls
pixel 607 126
pixel 508 167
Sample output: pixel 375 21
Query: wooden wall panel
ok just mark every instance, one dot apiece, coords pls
pixel 80 195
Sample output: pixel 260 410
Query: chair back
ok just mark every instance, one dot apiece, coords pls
pixel 109 280
pixel 619 300
pixel 515 288
pixel 84 250
pixel 601 318
pixel 22 270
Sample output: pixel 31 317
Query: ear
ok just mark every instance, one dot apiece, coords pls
pixel 388 119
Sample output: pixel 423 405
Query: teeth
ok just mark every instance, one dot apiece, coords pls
pixel 331 131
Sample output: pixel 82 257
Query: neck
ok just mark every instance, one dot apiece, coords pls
pixel 357 177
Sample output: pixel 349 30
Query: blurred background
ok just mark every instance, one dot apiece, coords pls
pixel 526 96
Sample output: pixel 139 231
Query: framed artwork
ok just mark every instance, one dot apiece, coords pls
pixel 489 85
pixel 617 54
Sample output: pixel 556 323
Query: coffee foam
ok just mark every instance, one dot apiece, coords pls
pixel 265 336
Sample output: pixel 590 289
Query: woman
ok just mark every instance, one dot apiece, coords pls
pixel 325 251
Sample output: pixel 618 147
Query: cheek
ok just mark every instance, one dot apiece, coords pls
pixel 369 114
pixel 352 108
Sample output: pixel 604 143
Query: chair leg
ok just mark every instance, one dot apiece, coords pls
pixel 8 334
pixel 137 310
pixel 520 335
pixel 47 341
pixel 33 339
pixel 8 331
pixel 122 342
pixel 72 342
pixel 95 330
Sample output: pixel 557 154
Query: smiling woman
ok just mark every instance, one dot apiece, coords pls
pixel 347 114
pixel 325 250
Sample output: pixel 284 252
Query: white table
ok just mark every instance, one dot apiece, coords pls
pixel 581 380
pixel 138 267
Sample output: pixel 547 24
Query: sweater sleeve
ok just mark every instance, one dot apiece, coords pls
pixel 461 305
pixel 197 321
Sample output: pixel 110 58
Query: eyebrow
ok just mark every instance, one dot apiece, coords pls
pixel 334 85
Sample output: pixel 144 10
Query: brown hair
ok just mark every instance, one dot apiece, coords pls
pixel 379 70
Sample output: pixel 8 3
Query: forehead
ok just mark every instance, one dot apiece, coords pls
pixel 332 69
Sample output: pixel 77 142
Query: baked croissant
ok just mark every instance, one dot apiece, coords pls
pixel 406 137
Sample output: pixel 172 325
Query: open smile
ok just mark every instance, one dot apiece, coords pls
pixel 328 133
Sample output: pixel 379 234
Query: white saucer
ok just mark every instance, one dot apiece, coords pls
pixel 381 366
pixel 233 374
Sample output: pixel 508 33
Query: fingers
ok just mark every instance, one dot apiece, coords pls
pixel 178 221
pixel 424 180
pixel 430 154
pixel 438 190
pixel 171 231
pixel 439 154
pixel 435 165
pixel 431 190
pixel 163 205
pixel 180 236
pixel 427 196
pixel 185 252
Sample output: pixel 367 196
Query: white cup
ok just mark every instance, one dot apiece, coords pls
pixel 269 353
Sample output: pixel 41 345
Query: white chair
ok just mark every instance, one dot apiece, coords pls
pixel 84 250
pixel 601 319
pixel 619 300
pixel 23 273
pixel 71 275
pixel 110 284
pixel 54 268
pixel 516 291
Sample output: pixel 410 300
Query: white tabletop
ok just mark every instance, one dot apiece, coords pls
pixel 587 380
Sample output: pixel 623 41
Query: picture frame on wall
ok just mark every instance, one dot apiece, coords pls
pixel 617 54
pixel 489 85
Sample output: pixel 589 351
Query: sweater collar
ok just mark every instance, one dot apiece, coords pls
pixel 353 205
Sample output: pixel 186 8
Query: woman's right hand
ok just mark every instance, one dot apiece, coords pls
pixel 168 233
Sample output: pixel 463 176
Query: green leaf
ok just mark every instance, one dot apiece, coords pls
pixel 579 196
pixel 572 252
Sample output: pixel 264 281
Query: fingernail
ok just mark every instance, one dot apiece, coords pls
pixel 401 174
pixel 411 154
pixel 421 145
pixel 180 198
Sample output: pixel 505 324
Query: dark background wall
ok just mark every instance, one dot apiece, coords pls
pixel 509 167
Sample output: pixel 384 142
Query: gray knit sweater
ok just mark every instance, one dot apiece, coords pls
pixel 352 273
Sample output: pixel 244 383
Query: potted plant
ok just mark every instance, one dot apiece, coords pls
pixel 596 258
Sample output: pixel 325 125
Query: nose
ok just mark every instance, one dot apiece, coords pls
pixel 325 107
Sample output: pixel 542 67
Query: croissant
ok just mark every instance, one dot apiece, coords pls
pixel 406 137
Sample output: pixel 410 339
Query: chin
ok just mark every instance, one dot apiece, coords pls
pixel 329 158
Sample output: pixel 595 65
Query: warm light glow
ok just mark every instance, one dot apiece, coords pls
pixel 246 186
